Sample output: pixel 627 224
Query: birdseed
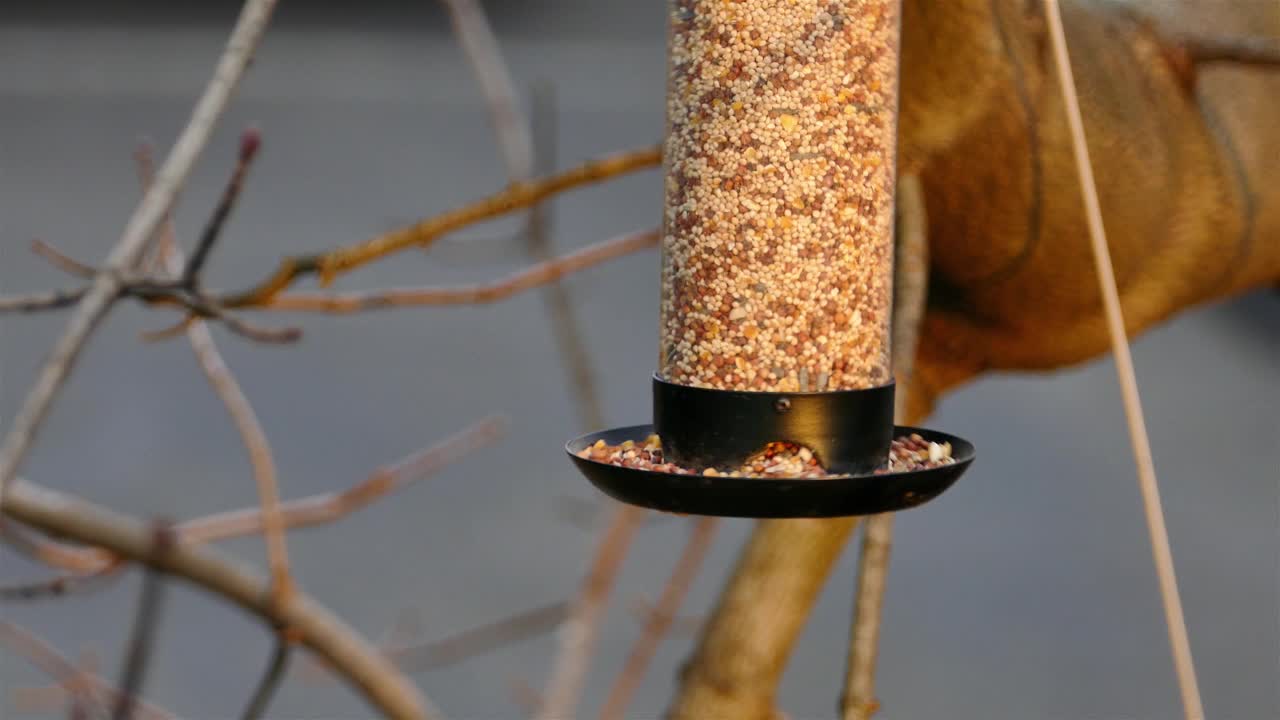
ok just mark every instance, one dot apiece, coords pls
pixel 779 460
pixel 778 222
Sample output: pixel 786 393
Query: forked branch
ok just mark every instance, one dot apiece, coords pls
pixel 316 628
pixel 215 370
pixel 516 196
pixel 104 289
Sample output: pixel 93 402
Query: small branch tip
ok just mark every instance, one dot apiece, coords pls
pixel 250 142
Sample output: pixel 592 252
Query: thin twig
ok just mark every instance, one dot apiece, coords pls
pixel 41 301
pixel 1180 644
pixel 577 636
pixel 315 627
pixel 319 509
pixel 250 141
pixel 144 287
pixel 42 655
pixel 61 260
pixel 560 307
pixel 87 664
pixel 53 553
pixel 267 294
pixel 141 640
pixel 421 657
pixel 659 622
pixel 61 585
pixel 215 370
pixel 516 196
pixel 38 699
pixel 910 293
pixel 133 241
pixel 201 308
pixel 270 681
pixel 644 611
pixel 541 274
pixel 858 701
pixel 329 507
pixel 445 652
pixel 77 683
pixel 475 35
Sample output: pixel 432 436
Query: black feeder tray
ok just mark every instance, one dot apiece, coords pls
pixel 848 430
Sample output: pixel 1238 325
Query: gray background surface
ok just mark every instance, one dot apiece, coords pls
pixel 1027 592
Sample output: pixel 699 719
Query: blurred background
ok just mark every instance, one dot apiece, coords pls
pixel 1025 592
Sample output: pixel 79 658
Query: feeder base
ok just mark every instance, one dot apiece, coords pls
pixel 849 430
pixel 726 496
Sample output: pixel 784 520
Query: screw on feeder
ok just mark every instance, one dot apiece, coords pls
pixel 782 405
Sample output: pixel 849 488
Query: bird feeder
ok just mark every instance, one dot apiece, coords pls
pixel 776 272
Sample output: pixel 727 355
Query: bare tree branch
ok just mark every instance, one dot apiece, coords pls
pixel 329 507
pixel 353 658
pixel 527 279
pixel 201 308
pixel 910 291
pixel 153 207
pixel 146 619
pixel 61 585
pixel 308 511
pixel 80 683
pixel 420 657
pixel 215 370
pixel 461 646
pixel 250 141
pixel 659 622
pixel 62 261
pixel 745 645
pixel 52 553
pixel 644 611
pixel 41 301
pixel 270 681
pixel 577 637
pixel 578 634
pixel 50 661
pixel 475 35
pixel 516 196
pixel 560 307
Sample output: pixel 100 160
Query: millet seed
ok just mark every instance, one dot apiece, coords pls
pixel 778 225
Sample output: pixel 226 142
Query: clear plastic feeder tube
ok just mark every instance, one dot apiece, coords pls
pixel 777 248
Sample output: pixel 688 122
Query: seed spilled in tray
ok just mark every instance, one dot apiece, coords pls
pixel 779 460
